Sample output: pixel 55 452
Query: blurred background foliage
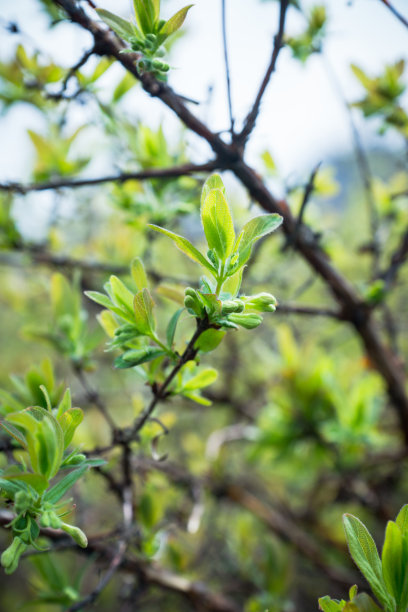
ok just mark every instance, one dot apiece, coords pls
pixel 250 497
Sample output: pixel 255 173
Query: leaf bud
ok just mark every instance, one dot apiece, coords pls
pixel 248 321
pixel 10 557
pixel 263 302
pixel 22 501
pixel 76 459
pixel 76 534
pixel 230 306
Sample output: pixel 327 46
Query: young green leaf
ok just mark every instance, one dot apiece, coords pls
pixel 143 311
pixel 69 421
pixel 209 340
pixel 120 26
pixel 145 15
pixel 54 494
pixel 203 379
pixel 135 357
pixel 139 274
pixel 171 327
pixel 392 561
pixel 123 297
pixel 365 555
pixel 185 246
pixel 38 482
pixel 327 604
pixel 213 182
pixel 176 21
pixel 217 223
pixel 256 228
pixel 402 519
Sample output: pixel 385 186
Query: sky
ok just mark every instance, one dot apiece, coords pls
pixel 302 120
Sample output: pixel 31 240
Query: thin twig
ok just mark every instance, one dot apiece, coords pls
pixel 277 46
pixel 227 68
pixel 394 11
pixel 151 173
pixel 398 258
pixel 71 72
pixel 309 311
pixel 292 238
pixel 94 397
pixel 119 556
pixel 160 392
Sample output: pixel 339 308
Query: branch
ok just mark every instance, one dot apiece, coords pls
pixel 305 200
pixel 159 393
pixel 398 258
pixel 227 68
pixel 151 173
pixel 394 11
pixel 277 46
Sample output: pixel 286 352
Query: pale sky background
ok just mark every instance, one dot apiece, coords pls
pixel 302 121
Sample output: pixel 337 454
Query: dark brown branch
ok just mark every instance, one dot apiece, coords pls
pixel 398 258
pixel 277 46
pixel 353 308
pixel 394 11
pixel 152 173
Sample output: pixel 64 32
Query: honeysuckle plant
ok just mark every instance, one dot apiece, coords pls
pixel 217 305
pixel 387 576
pixel 35 485
pixel 147 34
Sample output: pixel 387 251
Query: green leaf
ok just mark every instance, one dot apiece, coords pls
pixel 176 21
pixel 135 357
pixel 11 487
pixel 120 26
pixel 392 561
pixel 15 433
pixel 69 421
pixel 257 228
pixel 203 379
pixel 123 297
pixel 45 440
pixel 139 274
pixel 217 223
pixel 143 311
pixel 362 603
pixel 171 327
pixel 38 482
pixel 402 519
pixel 185 246
pixel 144 13
pixel 57 491
pixel 213 182
pixel 196 397
pixel 365 555
pixel 209 340
pixel 156 9
pixel 327 604
pixel 103 300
